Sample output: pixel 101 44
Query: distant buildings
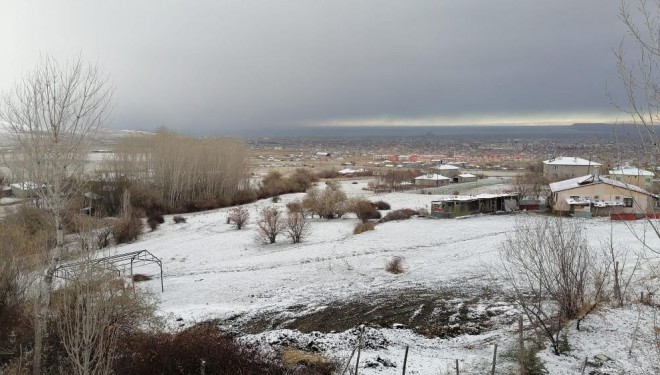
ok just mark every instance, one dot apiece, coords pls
pixel 633 175
pixel 432 180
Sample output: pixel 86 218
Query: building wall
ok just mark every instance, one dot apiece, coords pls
pixel 431 183
pixel 564 172
pixel 641 202
pixel 645 182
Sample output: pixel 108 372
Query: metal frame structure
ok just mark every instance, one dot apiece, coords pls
pixel 115 263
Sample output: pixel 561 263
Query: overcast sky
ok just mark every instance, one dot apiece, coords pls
pixel 226 67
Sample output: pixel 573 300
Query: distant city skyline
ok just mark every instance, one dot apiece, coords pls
pixel 245 67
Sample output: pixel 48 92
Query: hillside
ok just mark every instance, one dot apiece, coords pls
pixel 315 293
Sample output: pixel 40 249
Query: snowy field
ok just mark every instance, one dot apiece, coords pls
pixel 212 271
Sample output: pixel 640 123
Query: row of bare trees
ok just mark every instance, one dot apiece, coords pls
pixel 272 222
pixel 181 169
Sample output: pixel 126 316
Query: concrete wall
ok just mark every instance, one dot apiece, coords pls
pixel 564 172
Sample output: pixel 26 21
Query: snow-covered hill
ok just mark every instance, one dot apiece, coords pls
pixel 212 271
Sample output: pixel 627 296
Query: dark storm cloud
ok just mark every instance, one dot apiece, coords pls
pixel 227 66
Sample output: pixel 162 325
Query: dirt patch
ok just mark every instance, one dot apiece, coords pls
pixel 439 313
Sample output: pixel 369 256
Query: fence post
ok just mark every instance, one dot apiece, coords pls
pixel 492 371
pixel 203 367
pixel 584 365
pixel 405 361
pixel 457 371
pixel 521 345
pixel 357 360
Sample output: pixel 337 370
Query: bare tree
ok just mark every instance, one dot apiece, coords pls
pixel 297 226
pixel 554 274
pixel 52 116
pixel 270 224
pixel 238 216
pixel 328 203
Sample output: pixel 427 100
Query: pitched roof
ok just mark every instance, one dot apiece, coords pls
pixel 570 160
pixel 590 180
pixel 445 166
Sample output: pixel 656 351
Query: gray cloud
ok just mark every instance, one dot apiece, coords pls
pixel 229 66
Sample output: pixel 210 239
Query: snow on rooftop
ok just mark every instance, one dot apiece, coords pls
pixel 592 179
pixel 630 171
pixel 466 175
pixel 570 160
pixel 433 177
pixel 446 167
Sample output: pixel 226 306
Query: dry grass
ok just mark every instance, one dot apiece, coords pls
pixel 363 227
pixel 308 363
pixel 395 265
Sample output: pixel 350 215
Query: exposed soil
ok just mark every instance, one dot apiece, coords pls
pixel 440 313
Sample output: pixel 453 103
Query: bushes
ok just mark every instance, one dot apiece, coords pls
pixel 363 209
pixel 402 214
pixel 395 265
pixel 146 353
pixel 178 219
pixel 329 203
pixel 381 205
pixel 363 227
pixel 238 216
pixel 154 221
pixel 127 230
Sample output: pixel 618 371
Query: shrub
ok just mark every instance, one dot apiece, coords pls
pixel 402 214
pixel 138 277
pixel 147 200
pixel 381 205
pixel 296 206
pixel 395 265
pixel 178 219
pixel 127 230
pixel 182 353
pixel 301 180
pixel 363 227
pixel 328 203
pixel 297 226
pixel 363 209
pixel 238 216
pixel 270 224
pixel 154 221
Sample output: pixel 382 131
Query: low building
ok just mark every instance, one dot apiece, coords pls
pixel 633 175
pixel 461 205
pixel 594 195
pixel 565 167
pixel 465 177
pixel 446 170
pixel 432 180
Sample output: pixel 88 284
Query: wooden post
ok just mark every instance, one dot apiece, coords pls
pixel 457 371
pixel 405 361
pixel 584 365
pixel 492 370
pixel 521 345
pixel 203 368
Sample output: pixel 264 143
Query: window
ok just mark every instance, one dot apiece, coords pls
pixel 575 197
pixel 596 198
pixel 618 178
pixel 617 198
pixel 628 202
pixel 647 180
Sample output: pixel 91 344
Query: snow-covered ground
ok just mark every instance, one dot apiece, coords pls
pixel 212 271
